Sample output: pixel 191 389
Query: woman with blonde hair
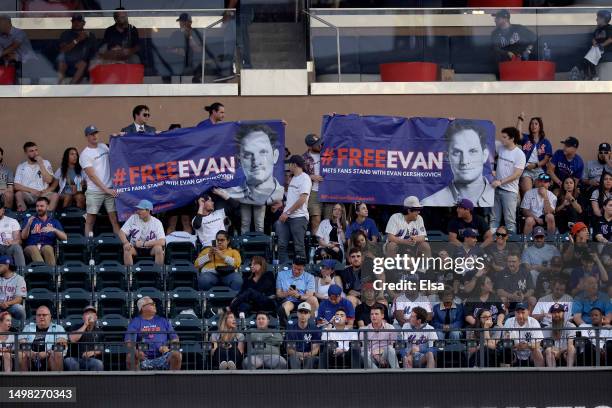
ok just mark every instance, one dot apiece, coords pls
pixel 228 344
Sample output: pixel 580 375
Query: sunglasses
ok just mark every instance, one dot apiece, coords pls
pixel 146 115
pixel 603 152
pixel 501 234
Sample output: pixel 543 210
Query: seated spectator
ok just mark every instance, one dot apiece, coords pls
pixel 84 355
pixel 380 352
pixel 566 163
pixel 369 249
pixel 328 278
pixel 208 221
pixel 514 284
pixel 369 300
pixel 602 193
pixel 7 342
pixel 46 344
pixel 497 253
pixel 228 344
pixel 12 290
pixel 603 226
pixel 568 208
pixel 562 332
pixel 77 47
pixel 40 234
pixel 337 350
pixel 7 181
pixel 335 301
pixel 557 297
pixel 71 180
pixel 545 279
pixel 141 115
pixel 10 237
pixel 404 303
pixel 143 234
pixel 590 265
pixel 599 335
pixel 351 277
pixel 120 44
pixel 420 338
pixel 361 222
pixel 448 317
pixel 265 346
pixel 538 206
pixel 258 291
pixel 487 300
pixel 578 244
pixel 589 299
pixel 467 219
pixel 526 349
pixel 331 235
pixel 218 265
pixel 15 47
pixel 34 179
pixel 469 251
pixel 157 333
pixel 303 340
pixel 600 43
pixel 537 149
pixel 595 168
pixel 511 41
pixel 406 231
pixel 538 256
pixel 483 323
pixel 294 287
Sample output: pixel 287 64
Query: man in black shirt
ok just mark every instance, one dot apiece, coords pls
pixel 77 47
pixel 515 284
pixel 602 38
pixel 362 311
pixel 467 219
pixel 121 42
pixel 186 44
pixel 510 41
pixel 85 342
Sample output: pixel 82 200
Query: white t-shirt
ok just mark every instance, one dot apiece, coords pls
pixel 12 287
pixel 544 304
pixel 343 337
pixel 316 157
pixel 534 202
pixel 398 226
pixel 507 163
pixel 29 175
pixel 137 230
pixel 587 330
pixel 423 339
pixel 299 185
pixel 325 229
pixel 211 224
pixel 403 303
pixel 7 226
pixel 524 336
pixel 97 159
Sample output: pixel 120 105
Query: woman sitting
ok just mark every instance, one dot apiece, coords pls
pixel 331 235
pixel 328 277
pixel 228 344
pixel 603 192
pixel 258 291
pixel 218 264
pixel 70 178
pixel 568 209
pixel 361 222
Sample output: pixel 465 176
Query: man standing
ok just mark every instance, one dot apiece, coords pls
pixel 141 116
pixel 312 158
pixel 303 340
pixel 566 163
pixel 94 160
pixel 158 334
pixel 293 287
pixel 293 222
pixel 85 356
pixel 40 234
pixel 510 41
pixel 510 166
pixel 77 47
pixel 143 232
pixel 33 179
pixel 7 181
pixel 187 44
pixel 406 231
pixel 527 342
pixel 380 350
pixel 467 219
pixel 43 338
pixel 10 237
pixel 12 290
pixel 538 206
pixel 209 220
pixel 563 334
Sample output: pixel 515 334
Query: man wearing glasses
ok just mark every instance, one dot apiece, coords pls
pixel 149 339
pixel 498 252
pixel 141 116
pixel 406 231
pixel 42 344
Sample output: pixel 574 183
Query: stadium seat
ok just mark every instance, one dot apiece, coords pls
pixel 73 301
pixel 72 219
pixel 180 251
pixel 112 301
pixel 74 274
pixel 75 248
pixel 189 329
pixel 107 247
pixel 254 243
pixel 158 297
pixel 436 236
pixel 218 296
pixel 40 275
pixel 72 322
pixel 183 298
pixel 110 274
pixel 181 273
pixel 40 297
pixel 114 327
pixel 146 274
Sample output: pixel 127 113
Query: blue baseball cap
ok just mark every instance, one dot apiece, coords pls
pixel 145 205
pixel 521 306
pixel 6 260
pixel 328 263
pixel 90 130
pixel 469 233
pixel 466 204
pixel 334 290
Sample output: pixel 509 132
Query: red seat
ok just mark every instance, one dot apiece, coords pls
pixel 117 74
pixel 527 71
pixel 7 75
pixel 409 72
pixel 495 3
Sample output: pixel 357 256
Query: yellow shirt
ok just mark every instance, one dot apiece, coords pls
pixel 231 257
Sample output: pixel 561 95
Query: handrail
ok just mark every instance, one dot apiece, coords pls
pixel 337 39
pixel 211 25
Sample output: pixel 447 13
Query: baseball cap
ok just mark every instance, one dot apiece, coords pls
pixel 412 202
pixel 77 17
pixel 297 160
pixel 90 130
pixel 521 306
pixel 544 177
pixel 571 141
pixel 299 260
pixel 577 227
pixel 469 233
pixel 142 301
pixel 312 140
pixel 334 290
pixel 605 14
pixel 502 13
pixel 556 308
pixel 304 306
pixel 6 260
pixel 539 232
pixel 367 285
pixel 90 307
pixel 604 147
pixel 465 203
pixel 145 205
pixel 184 17
pixel 328 263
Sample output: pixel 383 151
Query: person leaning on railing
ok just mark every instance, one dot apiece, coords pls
pixel 380 350
pixel 482 331
pixel 228 344
pixel 264 351
pixel 43 344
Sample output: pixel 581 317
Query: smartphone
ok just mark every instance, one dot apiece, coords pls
pixel 214 242
pixel 292 287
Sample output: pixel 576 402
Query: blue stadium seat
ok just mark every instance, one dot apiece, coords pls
pixel 113 301
pixel 73 301
pixel 40 297
pixel 146 274
pixel 107 247
pixel 110 274
pixel 184 298
pixel 189 329
pixel 158 297
pixel 75 248
pixel 114 323
pixel 181 273
pixel 218 296
pixel 436 236
pixel 188 323
pixel 72 322
pixel 40 275
pixel 255 243
pixel 74 274
pixel 72 219
pixel 180 251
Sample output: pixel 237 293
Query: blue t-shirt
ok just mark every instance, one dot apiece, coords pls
pixel 543 146
pixel 205 123
pixel 327 309
pixel 564 168
pixel 368 227
pixel 303 283
pixel 584 306
pixel 36 236
pixel 156 332
pixel 303 338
